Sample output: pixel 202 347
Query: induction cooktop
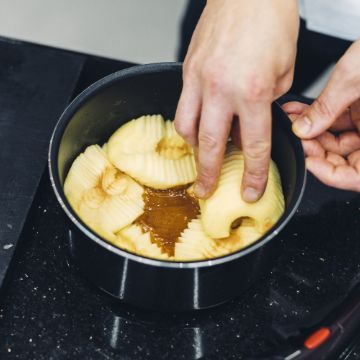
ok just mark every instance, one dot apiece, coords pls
pixel 49 310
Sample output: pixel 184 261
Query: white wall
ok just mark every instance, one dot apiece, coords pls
pixel 135 30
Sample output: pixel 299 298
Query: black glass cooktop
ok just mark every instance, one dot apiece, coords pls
pixel 50 311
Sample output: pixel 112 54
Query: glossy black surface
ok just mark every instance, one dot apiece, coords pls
pixel 35 86
pixel 163 286
pixel 48 311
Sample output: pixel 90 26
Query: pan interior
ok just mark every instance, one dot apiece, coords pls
pixel 97 113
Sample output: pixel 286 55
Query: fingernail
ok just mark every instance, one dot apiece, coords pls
pixel 199 190
pixel 250 194
pixel 302 126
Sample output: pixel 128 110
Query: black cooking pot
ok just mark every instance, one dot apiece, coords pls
pixel 168 286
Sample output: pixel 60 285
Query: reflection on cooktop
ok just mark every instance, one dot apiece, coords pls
pixel 124 336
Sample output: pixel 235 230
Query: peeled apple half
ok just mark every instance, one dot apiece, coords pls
pixel 106 199
pixel 226 209
pixel 150 150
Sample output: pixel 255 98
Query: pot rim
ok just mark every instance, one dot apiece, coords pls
pixel 56 137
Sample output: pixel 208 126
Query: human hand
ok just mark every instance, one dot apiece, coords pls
pixel 333 156
pixel 240 59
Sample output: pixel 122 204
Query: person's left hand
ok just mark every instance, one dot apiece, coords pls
pixel 334 156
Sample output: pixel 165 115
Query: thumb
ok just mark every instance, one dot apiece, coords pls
pixel 336 97
pixel 318 118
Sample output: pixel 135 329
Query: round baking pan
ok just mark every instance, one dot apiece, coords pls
pixel 154 284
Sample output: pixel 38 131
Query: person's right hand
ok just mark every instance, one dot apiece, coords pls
pixel 240 59
pixel 334 155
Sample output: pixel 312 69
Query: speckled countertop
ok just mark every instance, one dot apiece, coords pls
pixel 48 310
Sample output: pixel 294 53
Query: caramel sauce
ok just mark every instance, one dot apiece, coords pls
pixel 166 215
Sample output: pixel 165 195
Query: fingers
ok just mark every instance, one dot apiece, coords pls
pixel 335 159
pixel 343 144
pixel 313 148
pixel 205 126
pixel 188 112
pixel 294 107
pixel 341 90
pixel 214 131
pixel 341 176
pixel 255 126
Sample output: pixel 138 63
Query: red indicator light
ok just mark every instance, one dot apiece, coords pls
pixel 317 338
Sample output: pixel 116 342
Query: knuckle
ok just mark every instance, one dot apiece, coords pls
pixel 322 107
pixel 213 76
pixel 257 150
pixel 214 85
pixel 208 142
pixel 256 88
pixel 206 175
pixel 256 176
pixel 257 163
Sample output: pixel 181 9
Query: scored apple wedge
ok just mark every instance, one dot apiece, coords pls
pixel 134 239
pixel 195 244
pixel 225 209
pixel 150 150
pixel 106 199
